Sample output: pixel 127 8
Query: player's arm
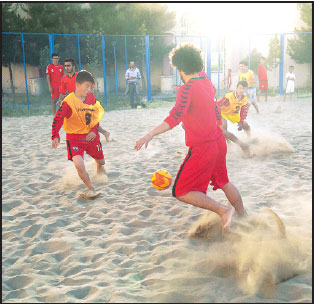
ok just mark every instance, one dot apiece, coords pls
pixel 163 127
pixel 252 81
pixel 176 116
pixel 62 91
pixel 138 74
pixel 223 102
pixel 49 84
pixel 63 111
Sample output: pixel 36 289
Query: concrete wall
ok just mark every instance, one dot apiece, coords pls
pixel 18 77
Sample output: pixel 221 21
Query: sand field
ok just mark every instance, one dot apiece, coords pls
pixel 134 243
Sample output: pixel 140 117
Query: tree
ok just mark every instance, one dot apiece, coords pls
pixel 274 53
pixel 300 47
pixel 255 57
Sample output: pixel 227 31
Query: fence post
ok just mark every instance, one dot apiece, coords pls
pixel 51 44
pixel 219 73
pixel 25 72
pixel 79 50
pixel 103 44
pixel 126 63
pixel 209 60
pixel 249 52
pixel 115 65
pixel 147 53
pixel 281 67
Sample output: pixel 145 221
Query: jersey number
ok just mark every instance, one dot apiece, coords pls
pixel 237 109
pixel 88 118
pixel 98 147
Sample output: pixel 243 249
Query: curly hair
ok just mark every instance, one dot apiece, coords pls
pixel 186 58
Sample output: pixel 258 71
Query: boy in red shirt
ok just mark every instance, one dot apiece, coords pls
pixel 54 74
pixel 80 115
pixel 206 159
pixel 68 85
pixel 262 77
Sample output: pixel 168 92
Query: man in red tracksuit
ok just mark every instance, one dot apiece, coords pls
pixel 206 159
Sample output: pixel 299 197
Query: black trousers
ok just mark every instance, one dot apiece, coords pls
pixel 132 92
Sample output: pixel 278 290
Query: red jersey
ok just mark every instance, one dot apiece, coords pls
pixel 67 84
pixel 66 111
pixel 55 73
pixel 261 72
pixel 196 108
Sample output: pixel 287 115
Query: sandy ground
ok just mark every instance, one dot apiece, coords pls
pixel 134 243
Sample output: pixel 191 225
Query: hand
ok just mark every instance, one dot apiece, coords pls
pixel 59 103
pixel 90 136
pixel 240 126
pixel 145 140
pixel 55 142
pixel 107 135
pixel 176 87
pixel 51 90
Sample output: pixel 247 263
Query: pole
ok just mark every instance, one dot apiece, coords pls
pixel 27 97
pixel 218 74
pixel 103 44
pixel 79 50
pixel 209 60
pixel 115 66
pixel 281 67
pixel 147 55
pixel 51 44
pixel 249 52
pixel 126 62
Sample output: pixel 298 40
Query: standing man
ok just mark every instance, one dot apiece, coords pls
pixel 206 159
pixel 248 75
pixel 68 85
pixel 133 77
pixel 54 74
pixel 67 81
pixel 290 77
pixel 262 78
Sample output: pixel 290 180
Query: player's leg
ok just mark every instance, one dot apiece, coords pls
pixel 234 198
pixel 192 180
pixel 53 105
pixel 94 149
pixel 203 201
pixel 131 94
pixel 81 170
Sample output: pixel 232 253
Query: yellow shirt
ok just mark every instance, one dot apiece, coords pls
pixel 84 117
pixel 231 111
pixel 247 76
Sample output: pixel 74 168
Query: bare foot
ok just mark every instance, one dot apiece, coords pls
pixel 226 219
pixel 91 194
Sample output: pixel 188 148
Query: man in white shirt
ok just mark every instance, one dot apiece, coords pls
pixel 133 77
pixel 290 77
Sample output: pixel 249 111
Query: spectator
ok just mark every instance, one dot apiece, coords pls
pixel 262 78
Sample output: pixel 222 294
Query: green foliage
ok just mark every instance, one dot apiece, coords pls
pixel 274 53
pixel 300 47
pixel 254 59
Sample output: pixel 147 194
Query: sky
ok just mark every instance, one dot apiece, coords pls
pixel 213 19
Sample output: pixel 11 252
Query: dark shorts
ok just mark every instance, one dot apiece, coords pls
pixel 204 164
pixel 93 148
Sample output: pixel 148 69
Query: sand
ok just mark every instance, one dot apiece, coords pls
pixel 137 244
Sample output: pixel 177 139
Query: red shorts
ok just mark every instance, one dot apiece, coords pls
pixel 93 148
pixel 55 93
pixel 263 84
pixel 204 164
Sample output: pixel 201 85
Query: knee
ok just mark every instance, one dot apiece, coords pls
pixel 101 162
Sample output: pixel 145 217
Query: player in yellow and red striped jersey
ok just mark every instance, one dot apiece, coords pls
pixel 234 108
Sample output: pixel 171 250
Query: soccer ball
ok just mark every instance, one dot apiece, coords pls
pixel 161 179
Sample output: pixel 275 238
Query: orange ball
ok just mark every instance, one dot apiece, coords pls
pixel 161 179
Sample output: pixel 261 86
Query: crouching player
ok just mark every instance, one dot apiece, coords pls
pixel 80 115
pixel 234 108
